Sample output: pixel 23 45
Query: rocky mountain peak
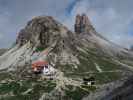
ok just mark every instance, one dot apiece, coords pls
pixel 83 24
pixel 44 30
pixel 75 57
pixel 40 31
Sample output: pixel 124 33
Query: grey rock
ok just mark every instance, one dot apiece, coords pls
pixel 83 24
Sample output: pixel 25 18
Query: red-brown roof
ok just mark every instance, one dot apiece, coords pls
pixel 39 63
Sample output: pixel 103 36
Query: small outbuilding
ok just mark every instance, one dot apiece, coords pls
pixel 42 67
pixel 89 80
pixel 38 66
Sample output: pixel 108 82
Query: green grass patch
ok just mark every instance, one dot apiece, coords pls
pixel 4 76
pixel 108 65
pixel 17 88
pixel 101 78
pixel 89 88
pixel 75 93
pixel 39 49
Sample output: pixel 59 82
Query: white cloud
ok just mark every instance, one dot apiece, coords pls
pixel 111 18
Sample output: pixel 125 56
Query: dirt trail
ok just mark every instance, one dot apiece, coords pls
pixel 98 67
pixel 61 82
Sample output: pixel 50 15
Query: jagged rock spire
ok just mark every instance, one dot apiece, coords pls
pixel 82 24
pixel 78 24
pixel 85 20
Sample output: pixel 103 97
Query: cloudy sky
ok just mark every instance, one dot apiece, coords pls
pixel 111 18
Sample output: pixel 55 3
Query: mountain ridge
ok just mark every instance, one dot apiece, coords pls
pixel 74 55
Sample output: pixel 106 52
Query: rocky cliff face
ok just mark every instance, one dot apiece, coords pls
pixel 123 92
pixel 63 46
pixel 43 32
pixel 83 24
pixel 39 31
